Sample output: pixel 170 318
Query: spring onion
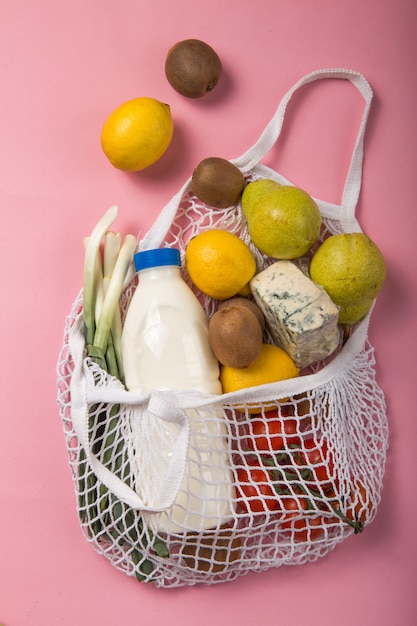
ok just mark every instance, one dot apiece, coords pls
pixel 90 285
pixel 100 317
pixel 107 269
pixel 98 283
pixel 112 295
pixel 112 243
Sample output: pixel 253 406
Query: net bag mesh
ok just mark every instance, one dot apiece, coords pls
pixel 315 491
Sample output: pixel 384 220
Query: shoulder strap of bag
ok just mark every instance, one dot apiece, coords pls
pixel 272 131
pixel 258 151
pixel 82 397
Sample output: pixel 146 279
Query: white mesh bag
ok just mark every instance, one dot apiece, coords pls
pixel 170 487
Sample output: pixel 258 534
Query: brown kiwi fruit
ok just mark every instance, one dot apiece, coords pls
pixel 235 336
pixel 217 182
pixel 250 304
pixel 211 554
pixel 192 68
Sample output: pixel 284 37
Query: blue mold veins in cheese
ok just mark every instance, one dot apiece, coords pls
pixel 300 315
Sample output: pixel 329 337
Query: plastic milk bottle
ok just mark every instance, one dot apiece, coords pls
pixel 165 346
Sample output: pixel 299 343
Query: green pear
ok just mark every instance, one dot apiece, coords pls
pixel 351 313
pixel 283 221
pixel 351 268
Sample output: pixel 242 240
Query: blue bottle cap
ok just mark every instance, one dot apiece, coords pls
pixel 156 258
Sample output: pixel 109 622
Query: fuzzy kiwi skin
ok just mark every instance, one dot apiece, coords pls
pixel 235 336
pixel 250 304
pixel 217 182
pixel 192 68
pixel 206 553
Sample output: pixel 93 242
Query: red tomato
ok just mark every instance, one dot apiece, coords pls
pixel 308 528
pixel 303 525
pixel 270 433
pixel 292 507
pixel 254 489
pixel 318 458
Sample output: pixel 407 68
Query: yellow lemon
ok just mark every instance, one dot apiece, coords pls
pixel 272 365
pixel 219 263
pixel 137 134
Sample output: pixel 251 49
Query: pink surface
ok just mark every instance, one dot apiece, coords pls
pixel 63 68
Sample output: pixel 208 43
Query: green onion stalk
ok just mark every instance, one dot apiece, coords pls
pixel 90 272
pixel 107 263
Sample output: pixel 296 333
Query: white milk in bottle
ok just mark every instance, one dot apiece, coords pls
pixel 165 346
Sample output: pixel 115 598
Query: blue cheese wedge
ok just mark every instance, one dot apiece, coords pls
pixel 300 315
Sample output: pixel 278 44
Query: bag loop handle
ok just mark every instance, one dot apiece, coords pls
pixel 273 130
pixel 158 404
pixel 268 138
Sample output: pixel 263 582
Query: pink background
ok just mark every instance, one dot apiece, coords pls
pixel 63 67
